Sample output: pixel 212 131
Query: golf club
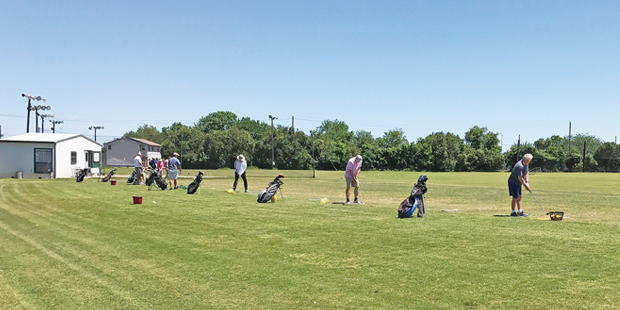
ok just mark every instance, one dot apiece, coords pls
pixel 537 201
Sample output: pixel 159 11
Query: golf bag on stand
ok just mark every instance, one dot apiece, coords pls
pixel 81 174
pixel 266 194
pixel 415 200
pixel 109 176
pixel 157 179
pixel 193 187
pixel 134 179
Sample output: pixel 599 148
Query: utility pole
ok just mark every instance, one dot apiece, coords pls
pixel 0 131
pixel 293 123
pixel 36 109
pixel 312 136
pixel 273 161
pixel 518 148
pixel 569 133
pixel 95 128
pixel 43 117
pixel 30 108
pixel 54 125
pixel 583 169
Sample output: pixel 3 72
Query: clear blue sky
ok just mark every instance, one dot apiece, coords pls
pixel 516 67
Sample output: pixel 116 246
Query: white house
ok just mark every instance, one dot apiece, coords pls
pixel 121 152
pixel 47 155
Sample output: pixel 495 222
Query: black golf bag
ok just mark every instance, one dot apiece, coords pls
pixel 81 174
pixel 415 200
pixel 134 179
pixel 193 187
pixel 109 176
pixel 266 194
pixel 157 179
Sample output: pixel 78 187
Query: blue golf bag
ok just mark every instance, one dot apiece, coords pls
pixel 415 201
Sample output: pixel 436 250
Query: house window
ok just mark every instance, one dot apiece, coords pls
pixel 73 158
pixel 109 146
pixel 42 160
pixel 142 146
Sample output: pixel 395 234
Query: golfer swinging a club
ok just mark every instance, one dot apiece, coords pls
pixel 519 176
pixel 354 166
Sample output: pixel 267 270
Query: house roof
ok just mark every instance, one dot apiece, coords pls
pixel 45 137
pixel 143 141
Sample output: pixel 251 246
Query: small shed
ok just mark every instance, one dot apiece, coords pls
pixel 121 152
pixel 47 155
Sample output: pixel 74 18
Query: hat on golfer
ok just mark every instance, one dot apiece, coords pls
pixel 359 158
pixel 240 157
pixel 139 153
pixel 175 154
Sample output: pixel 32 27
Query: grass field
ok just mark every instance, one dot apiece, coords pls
pixel 68 245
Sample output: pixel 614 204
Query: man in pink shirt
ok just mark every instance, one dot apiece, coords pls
pixel 351 173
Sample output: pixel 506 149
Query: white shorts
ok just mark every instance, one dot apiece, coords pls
pixel 172 174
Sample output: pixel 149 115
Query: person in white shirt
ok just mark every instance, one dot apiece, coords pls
pixel 137 163
pixel 241 165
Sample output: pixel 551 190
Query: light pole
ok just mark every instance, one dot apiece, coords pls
pixel 54 125
pixel 30 108
pixel 43 117
pixel 95 128
pixel 36 109
pixel 273 161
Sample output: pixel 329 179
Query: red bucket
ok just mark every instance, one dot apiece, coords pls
pixel 113 182
pixel 137 200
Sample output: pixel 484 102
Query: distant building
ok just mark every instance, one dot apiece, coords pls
pixel 47 155
pixel 121 152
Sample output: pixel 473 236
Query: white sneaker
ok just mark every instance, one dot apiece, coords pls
pixel 357 201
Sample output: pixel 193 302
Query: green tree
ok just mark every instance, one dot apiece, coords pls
pixel 481 152
pixel 608 157
pixel 221 147
pixel 421 155
pixel 334 145
pixel 185 140
pixel 220 120
pixel 395 150
pixel 147 132
pixel 369 149
pixel 335 130
pixel 511 155
pixel 291 149
pixel 482 138
pixel 445 148
pixel 551 153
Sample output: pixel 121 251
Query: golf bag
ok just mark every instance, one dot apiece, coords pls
pixel 156 178
pixel 134 179
pixel 81 174
pixel 415 200
pixel 109 176
pixel 266 194
pixel 193 187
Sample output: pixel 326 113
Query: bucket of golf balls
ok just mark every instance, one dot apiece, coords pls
pixel 556 215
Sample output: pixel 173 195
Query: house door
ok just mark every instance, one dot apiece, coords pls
pixel 92 159
pixel 87 159
pixel 96 162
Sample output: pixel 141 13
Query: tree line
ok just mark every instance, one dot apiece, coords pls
pixel 216 140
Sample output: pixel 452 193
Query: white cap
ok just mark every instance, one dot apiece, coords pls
pixel 359 158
